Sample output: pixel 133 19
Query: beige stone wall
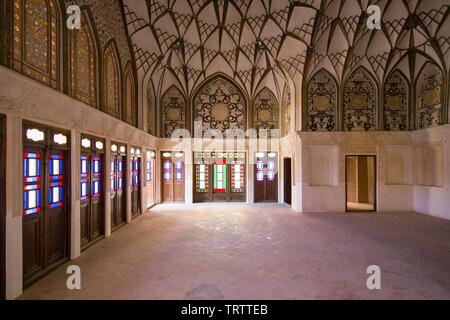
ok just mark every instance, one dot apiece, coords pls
pixel 432 171
pixel 323 179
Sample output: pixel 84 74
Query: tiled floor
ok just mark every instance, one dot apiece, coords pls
pixel 238 251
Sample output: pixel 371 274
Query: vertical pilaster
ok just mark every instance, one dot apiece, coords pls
pixel 14 207
pixel 75 224
pixel 107 188
pixel 127 187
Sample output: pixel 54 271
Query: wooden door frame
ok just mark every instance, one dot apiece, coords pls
pixel 265 180
pixel 3 208
pixel 153 173
pixel 375 193
pixel 48 147
pixel 284 180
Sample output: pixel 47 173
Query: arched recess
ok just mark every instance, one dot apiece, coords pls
pixel 220 104
pixel 265 115
pixel 111 81
pixel 286 118
pixel 130 110
pixel 322 102
pixel 151 108
pixel 84 62
pixel 360 101
pixel 396 102
pixel 36 43
pixel 429 97
pixel 173 111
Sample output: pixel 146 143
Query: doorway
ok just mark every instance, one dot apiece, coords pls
pixel 360 174
pixel 92 172
pixel 149 178
pixel 118 173
pixel 288 181
pixel 135 171
pixel 46 198
pixel 266 177
pixel 173 177
pixel 219 177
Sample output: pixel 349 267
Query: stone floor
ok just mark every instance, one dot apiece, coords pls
pixel 238 251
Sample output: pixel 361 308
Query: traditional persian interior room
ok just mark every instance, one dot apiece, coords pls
pixel 224 149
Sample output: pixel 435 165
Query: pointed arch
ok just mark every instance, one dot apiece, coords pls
pixel 173 115
pixel 220 104
pixel 84 62
pixel 130 110
pixel 429 96
pixel 396 101
pixel 286 120
pixel 322 102
pixel 265 115
pixel 111 81
pixel 151 108
pixel 360 100
pixel 36 45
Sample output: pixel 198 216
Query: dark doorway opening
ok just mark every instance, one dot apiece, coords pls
pixel 288 181
pixel 360 181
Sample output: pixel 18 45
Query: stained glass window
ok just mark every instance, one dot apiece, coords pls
pixel 149 171
pixel 83 61
pixel 260 171
pixel 237 177
pixel 220 177
pixel 113 175
pixel 168 171
pixel 96 171
pixel 32 179
pixel 130 110
pixel 201 178
pixel 84 181
pixel 119 174
pixel 55 194
pixel 179 171
pixel 135 172
pixel 35 44
pixel 111 82
pixel 271 170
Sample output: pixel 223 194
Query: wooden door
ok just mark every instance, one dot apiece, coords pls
pixel 288 181
pixel 219 177
pixel 179 178
pixel 118 196
pixel 91 199
pixel 266 177
pixel 121 213
pixel 173 177
pixel 46 199
pixel 149 176
pixel 167 180
pixel 136 186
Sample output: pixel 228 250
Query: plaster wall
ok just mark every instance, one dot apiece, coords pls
pixel 323 165
pixel 432 171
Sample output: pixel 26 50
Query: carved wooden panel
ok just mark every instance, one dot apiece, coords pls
pixel 322 101
pixel 220 105
pixel 360 100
